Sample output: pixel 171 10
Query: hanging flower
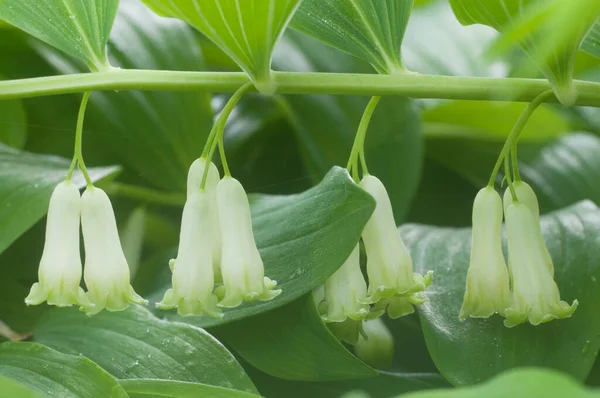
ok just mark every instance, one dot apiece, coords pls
pixel 194 181
pixel 60 267
pixel 488 287
pixel 241 265
pixel 193 278
pixel 398 306
pixel 344 291
pixel 375 345
pixel 106 271
pixel 389 265
pixel 535 294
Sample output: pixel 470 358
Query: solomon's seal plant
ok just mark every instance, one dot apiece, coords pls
pixel 293 198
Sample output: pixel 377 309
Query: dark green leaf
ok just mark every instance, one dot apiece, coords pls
pixel 293 343
pixel 80 29
pixel 149 388
pixel 462 350
pixel 246 30
pixel 157 134
pixel 591 44
pixel 136 344
pixel 26 183
pixel 53 374
pixel 13 124
pixel 371 30
pixel 326 125
pixel 315 233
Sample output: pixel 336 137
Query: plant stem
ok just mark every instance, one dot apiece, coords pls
pixel 516 132
pixel 358 148
pixel 410 85
pixel 78 153
pixel 146 194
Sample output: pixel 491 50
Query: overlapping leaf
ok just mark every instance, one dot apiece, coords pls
pixel 78 28
pixel 369 29
pixel 150 388
pixel 247 30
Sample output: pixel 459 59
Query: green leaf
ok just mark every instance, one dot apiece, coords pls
pixel 13 124
pixel 591 44
pixel 80 29
pixel 246 30
pixel 11 388
pixel 149 388
pixel 485 120
pixel 326 125
pixel 462 350
pixel 371 30
pixel 136 344
pixel 53 374
pixel 156 134
pixel 304 349
pixel 530 382
pixel 556 60
pixel 302 252
pixel 26 183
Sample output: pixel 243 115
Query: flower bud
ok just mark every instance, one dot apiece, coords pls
pixel 488 286
pixel 106 272
pixel 60 267
pixel 241 265
pixel 389 265
pixel 535 294
pixel 344 291
pixel 347 331
pixel 376 345
pixel 193 278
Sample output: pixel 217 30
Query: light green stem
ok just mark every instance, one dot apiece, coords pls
pixel 513 137
pixel 358 148
pixel 409 85
pixel 78 153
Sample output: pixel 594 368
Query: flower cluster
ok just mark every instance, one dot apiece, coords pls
pixel 525 290
pixel 393 285
pixel 106 273
pixel 218 264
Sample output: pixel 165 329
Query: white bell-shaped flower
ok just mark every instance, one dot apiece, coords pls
pixel 526 195
pixel 193 278
pixel 344 291
pixel 194 181
pixel 376 345
pixel 106 272
pixel 60 267
pixel 389 265
pixel 241 265
pixel 488 285
pixel 535 294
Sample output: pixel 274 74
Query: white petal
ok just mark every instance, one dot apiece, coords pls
pixel 195 174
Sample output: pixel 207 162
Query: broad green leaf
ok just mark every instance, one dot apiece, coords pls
pixel 26 183
pixel 156 134
pixel 246 30
pixel 528 382
pixel 136 344
pixel 13 124
pixel 493 121
pixel 11 388
pixel 557 62
pixel 326 125
pixel 293 343
pixel 53 374
pixel 462 350
pixel 369 29
pixel 302 252
pixel 150 388
pixel 591 44
pixel 384 385
pixel 78 28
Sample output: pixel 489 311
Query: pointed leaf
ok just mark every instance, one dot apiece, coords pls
pixel 53 374
pixel 369 29
pixel 26 183
pixel 78 28
pixel 462 350
pixel 150 388
pixel 591 44
pixel 136 344
pixel 247 30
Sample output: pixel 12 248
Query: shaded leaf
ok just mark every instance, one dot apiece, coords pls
pixel 136 344
pixel 78 28
pixel 148 388
pixel 51 373
pixel 367 29
pixel 246 30
pixel 13 124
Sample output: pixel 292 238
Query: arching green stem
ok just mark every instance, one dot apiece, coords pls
pixel 358 148
pixel 78 154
